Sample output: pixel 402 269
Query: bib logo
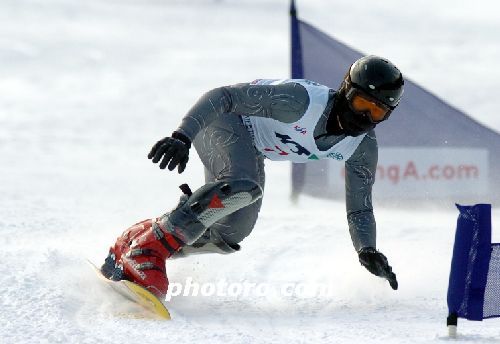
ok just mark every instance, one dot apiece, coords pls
pixel 289 146
pixel 281 152
pixel 336 156
pixel 303 131
pixel 287 140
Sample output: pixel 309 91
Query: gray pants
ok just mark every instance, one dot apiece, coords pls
pixel 226 149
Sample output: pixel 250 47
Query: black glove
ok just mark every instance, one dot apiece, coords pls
pixel 174 150
pixel 375 262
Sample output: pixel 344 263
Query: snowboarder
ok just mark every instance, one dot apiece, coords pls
pixel 234 129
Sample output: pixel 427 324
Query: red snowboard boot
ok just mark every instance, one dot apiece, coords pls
pixel 122 246
pixel 140 256
pixel 144 263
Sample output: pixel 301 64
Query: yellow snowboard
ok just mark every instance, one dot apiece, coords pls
pixel 137 294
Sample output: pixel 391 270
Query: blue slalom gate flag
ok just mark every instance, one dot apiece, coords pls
pixel 474 285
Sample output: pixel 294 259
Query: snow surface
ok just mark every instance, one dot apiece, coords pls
pixel 86 87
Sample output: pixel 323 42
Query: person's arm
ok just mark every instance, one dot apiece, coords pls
pixel 285 102
pixel 360 177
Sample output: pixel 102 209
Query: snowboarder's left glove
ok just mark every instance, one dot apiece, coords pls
pixel 174 150
pixel 375 262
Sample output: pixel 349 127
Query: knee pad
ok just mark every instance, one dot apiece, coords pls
pixel 209 204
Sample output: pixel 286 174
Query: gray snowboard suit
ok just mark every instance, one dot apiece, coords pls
pixel 227 151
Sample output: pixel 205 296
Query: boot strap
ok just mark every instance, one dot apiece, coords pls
pixel 168 241
pixel 147 266
pixel 142 252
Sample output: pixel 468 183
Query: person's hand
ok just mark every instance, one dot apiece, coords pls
pixel 172 151
pixel 375 262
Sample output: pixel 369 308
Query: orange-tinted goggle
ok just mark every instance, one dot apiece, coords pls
pixel 361 103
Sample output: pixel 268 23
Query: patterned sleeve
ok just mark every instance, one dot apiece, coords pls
pixel 284 102
pixel 360 177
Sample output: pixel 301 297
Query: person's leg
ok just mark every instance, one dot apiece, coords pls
pixel 227 152
pixel 226 149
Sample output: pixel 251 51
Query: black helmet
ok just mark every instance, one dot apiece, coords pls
pixel 370 91
pixel 378 78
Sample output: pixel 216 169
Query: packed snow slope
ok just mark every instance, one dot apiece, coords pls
pixel 86 87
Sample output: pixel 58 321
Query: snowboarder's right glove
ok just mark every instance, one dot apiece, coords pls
pixel 375 262
pixel 174 150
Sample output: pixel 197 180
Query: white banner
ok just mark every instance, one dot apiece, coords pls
pixel 425 172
